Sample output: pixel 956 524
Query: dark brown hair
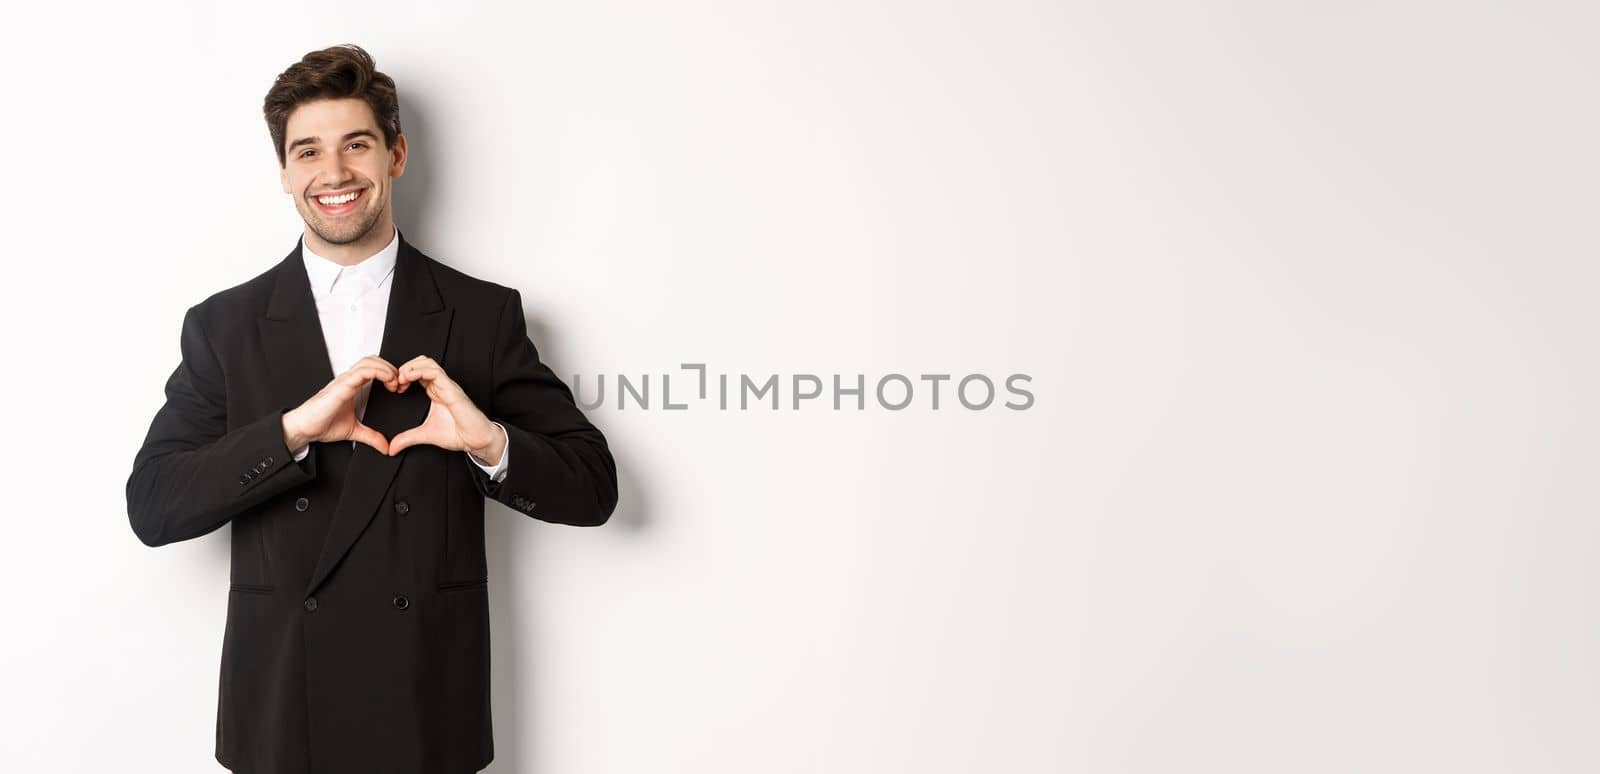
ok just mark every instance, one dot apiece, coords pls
pixel 333 73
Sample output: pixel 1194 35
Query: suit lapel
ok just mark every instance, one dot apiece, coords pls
pixel 417 323
pixel 291 334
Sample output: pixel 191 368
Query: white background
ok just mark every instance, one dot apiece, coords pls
pixel 1306 291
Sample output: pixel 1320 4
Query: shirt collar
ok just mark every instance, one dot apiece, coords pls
pixel 323 272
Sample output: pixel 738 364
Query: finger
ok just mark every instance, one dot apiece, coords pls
pixel 405 440
pixel 373 361
pixel 419 360
pixel 364 372
pixel 431 375
pixel 390 373
pixel 370 437
pixel 440 389
pixel 358 376
pixel 400 376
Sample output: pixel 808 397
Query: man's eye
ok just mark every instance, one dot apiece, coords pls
pixel 304 153
pixel 358 145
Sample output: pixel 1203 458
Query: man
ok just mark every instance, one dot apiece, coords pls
pixel 357 637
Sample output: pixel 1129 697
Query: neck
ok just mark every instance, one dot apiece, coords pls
pixel 355 252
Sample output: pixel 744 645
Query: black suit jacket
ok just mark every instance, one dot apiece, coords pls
pixel 357 637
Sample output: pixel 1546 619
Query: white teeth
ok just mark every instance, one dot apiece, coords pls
pixel 332 201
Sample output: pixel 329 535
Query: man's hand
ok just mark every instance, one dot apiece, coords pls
pixel 453 422
pixel 330 415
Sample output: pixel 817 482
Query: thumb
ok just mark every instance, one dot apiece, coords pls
pixel 402 441
pixel 370 437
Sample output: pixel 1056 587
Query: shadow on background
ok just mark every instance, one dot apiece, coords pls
pixel 514 748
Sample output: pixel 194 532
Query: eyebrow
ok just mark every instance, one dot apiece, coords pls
pixel 348 137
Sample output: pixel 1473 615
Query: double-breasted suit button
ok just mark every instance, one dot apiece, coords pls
pixel 311 604
pixel 401 602
pixel 302 504
pixel 401 508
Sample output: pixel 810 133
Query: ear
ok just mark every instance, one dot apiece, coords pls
pixel 397 156
pixel 283 177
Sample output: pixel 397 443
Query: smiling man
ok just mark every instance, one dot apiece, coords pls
pixel 348 411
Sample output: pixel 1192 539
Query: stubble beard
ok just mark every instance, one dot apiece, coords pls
pixel 345 233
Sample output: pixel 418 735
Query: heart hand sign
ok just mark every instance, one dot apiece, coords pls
pixel 453 421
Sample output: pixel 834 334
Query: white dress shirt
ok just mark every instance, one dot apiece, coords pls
pixel 353 304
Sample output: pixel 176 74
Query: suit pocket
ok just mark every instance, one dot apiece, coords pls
pixel 251 588
pixel 249 565
pixel 462 585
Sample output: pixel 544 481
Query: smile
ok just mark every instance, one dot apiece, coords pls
pixel 339 204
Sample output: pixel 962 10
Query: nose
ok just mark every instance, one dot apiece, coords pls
pixel 334 174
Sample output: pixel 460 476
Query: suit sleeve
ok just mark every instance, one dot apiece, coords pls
pixel 564 472
pixel 192 474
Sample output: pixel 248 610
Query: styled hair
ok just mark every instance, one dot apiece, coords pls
pixel 337 72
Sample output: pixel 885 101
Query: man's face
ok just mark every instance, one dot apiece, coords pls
pixel 334 148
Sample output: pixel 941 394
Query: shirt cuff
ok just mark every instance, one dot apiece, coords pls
pixel 495 472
